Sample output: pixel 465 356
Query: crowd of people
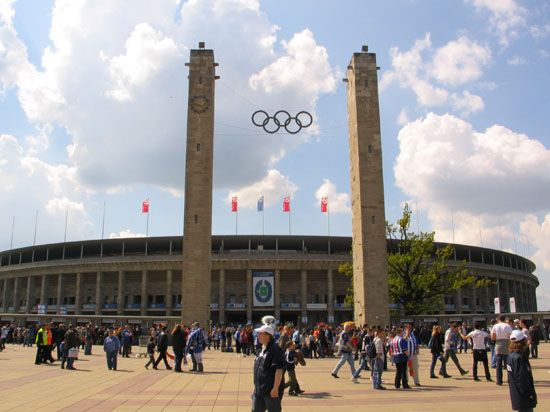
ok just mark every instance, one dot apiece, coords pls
pixel 504 344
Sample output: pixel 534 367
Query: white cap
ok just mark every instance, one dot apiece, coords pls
pixel 517 335
pixel 516 321
pixel 266 329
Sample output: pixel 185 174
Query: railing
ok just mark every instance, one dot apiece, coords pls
pixel 290 306
pixel 316 306
pixel 235 306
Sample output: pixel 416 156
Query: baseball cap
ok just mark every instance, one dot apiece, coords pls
pixel 517 335
pixel 266 329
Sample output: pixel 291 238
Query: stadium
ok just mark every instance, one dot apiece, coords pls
pixel 296 278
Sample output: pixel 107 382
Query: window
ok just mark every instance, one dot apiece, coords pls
pixel 159 299
pixel 137 299
pixel 232 299
pixel 150 299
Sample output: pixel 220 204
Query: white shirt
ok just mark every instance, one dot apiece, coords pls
pixel 478 338
pixel 502 330
pixel 379 345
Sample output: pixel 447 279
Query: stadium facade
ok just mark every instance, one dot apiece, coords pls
pixel 142 277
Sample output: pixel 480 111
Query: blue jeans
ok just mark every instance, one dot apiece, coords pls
pixel 346 357
pixel 502 360
pixel 377 365
pixel 493 356
pixel 111 359
pixel 70 362
pixel 362 366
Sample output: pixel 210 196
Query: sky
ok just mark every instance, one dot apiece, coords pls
pixel 93 110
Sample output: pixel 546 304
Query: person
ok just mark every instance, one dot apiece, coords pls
pixel 88 339
pixel 126 341
pixel 290 366
pixel 436 348
pixel 346 351
pixel 366 340
pixel 520 377
pixel 378 362
pixel 500 334
pixel 41 344
pixel 413 350
pixel 150 352
pixel 197 342
pixel 49 346
pixel 269 384
pixel 179 339
pixel 71 342
pixel 400 355
pixel 479 350
pixel 162 347
pixel 111 345
pixel 534 335
pixel 451 339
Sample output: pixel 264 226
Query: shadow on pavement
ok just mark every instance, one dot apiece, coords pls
pixel 319 395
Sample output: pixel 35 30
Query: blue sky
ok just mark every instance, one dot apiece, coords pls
pixel 93 109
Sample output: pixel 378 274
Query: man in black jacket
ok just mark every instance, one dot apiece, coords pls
pixel 162 346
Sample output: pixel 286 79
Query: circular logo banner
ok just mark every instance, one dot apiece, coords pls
pixel 263 292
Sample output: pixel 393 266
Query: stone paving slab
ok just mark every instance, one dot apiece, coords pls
pixel 227 384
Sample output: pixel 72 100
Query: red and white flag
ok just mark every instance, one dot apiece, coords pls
pixel 145 206
pixel 234 204
pixel 324 204
pixel 286 204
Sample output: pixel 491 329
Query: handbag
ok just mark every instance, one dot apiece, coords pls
pixel 73 353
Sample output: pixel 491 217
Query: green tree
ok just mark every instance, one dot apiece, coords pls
pixel 419 273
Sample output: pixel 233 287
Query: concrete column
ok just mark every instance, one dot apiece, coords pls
pixel 487 298
pixel 98 294
pixel 59 290
pixel 221 298
pixel 43 288
pixel 144 296
pixel 249 299
pixel 330 296
pixel 121 294
pixel 16 286
pixel 303 293
pixel 519 300
pixel 5 296
pixel 28 295
pixel 168 297
pixel 277 297
pixel 78 293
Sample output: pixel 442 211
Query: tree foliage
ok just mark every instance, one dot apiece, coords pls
pixel 419 274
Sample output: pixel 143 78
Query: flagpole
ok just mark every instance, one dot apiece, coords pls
pixel 289 211
pixel 35 225
pixel 453 224
pixel 236 221
pixel 417 219
pixel 480 237
pixel 147 224
pixel 263 220
pixel 328 225
pixel 103 222
pixel 66 218
pixel 12 228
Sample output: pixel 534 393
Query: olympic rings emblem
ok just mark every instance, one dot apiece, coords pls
pixel 272 124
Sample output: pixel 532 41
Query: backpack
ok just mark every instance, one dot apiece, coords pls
pixel 371 350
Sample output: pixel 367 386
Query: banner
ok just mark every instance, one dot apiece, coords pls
pixel 262 285
pixel 324 205
pixel 512 305
pixel 261 204
pixel 234 204
pixel 145 206
pixel 286 204
pixel 497 306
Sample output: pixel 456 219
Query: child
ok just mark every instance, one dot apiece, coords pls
pixel 520 377
pixel 290 362
pixel 150 352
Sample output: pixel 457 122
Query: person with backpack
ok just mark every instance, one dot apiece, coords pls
pixel 365 345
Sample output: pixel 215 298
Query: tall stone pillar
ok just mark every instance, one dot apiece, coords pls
pixel 144 295
pixel 221 299
pixel 5 296
pixel 277 297
pixel 98 294
pixel 59 292
pixel 330 296
pixel 16 294
pixel 168 300
pixel 78 293
pixel 121 292
pixel 303 294
pixel 370 268
pixel 197 227
pixel 28 295
pixel 249 297
pixel 43 289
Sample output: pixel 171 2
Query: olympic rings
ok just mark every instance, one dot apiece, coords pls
pixel 281 118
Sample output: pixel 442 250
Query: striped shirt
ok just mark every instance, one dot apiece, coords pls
pixel 398 346
pixel 412 344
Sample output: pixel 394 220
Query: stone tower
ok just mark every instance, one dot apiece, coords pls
pixel 197 226
pixel 370 268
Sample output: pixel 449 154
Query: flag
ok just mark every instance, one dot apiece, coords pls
pixel 145 206
pixel 261 204
pixel 286 204
pixel 234 204
pixel 324 205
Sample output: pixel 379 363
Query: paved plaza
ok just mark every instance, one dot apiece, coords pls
pixel 227 384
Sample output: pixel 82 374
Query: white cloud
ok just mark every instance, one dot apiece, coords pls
pixel 7 11
pixel 59 207
pixel 126 233
pixel 403 118
pixel 538 234
pixel 337 202
pixel 274 186
pixel 539 32
pixel 507 17
pixel 460 61
pixel 455 64
pixel 516 61
pixel 467 103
